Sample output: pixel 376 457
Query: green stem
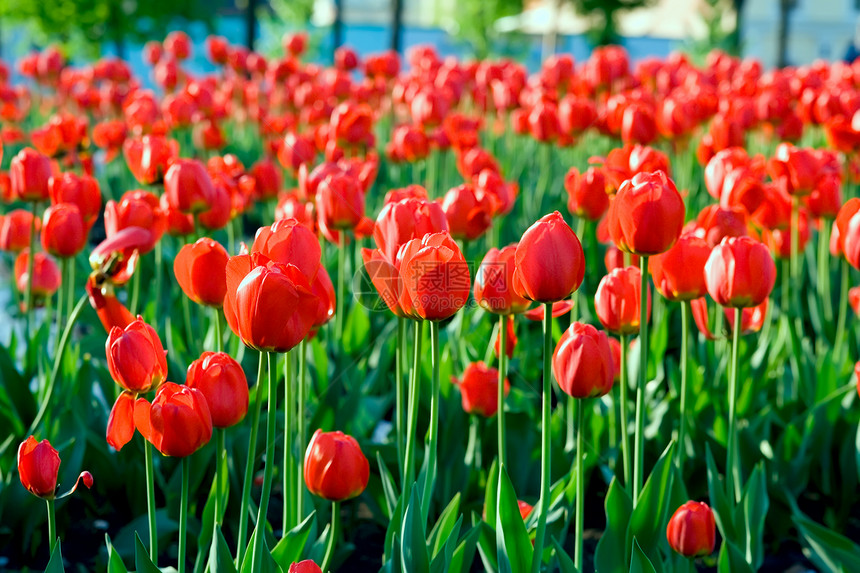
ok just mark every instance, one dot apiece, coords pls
pixel 433 446
pixel 263 510
pixel 341 284
pixel 625 435
pixel 220 456
pixel 159 279
pixel 839 340
pixel 52 525
pixel 332 535
pixel 183 512
pixel 639 459
pixel 414 401
pixel 150 502
pixel 546 437
pixel 823 261
pixel 186 315
pixel 503 367
pixel 70 291
pixel 400 392
pixel 733 478
pixel 61 296
pixel 795 223
pixel 580 486
pixel 288 469
pixel 300 431
pixel 682 423
pixel 135 289
pixel 249 465
pixel 219 339
pixel 31 261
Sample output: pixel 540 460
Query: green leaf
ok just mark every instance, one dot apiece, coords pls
pixel 647 522
pixel 830 550
pixel 513 547
pixel 289 549
pixel 207 525
pixel 720 503
pixel 487 547
pixel 639 562
pixel 755 506
pixel 413 547
pixel 610 556
pixel 441 532
pixel 356 329
pixel 441 561
pixel 220 558
pixel 732 560
pixel 491 494
pixel 464 554
pixel 115 564
pixel 142 562
pixel 565 563
pixel 268 564
pixel 388 486
pixel 55 565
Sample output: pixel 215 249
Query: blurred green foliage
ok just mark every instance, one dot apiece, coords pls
pixel 604 17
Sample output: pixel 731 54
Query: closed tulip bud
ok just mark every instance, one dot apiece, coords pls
pixel 494 283
pixel 435 277
pixel 638 124
pixel 647 214
pixel 480 388
pixel 794 170
pixel 177 423
pixel 340 202
pixel 335 467
pixel 30 172
pixel 136 358
pixel 291 243
pixel 740 272
pixel 15 230
pixel 81 190
pixel 201 271
pixel 692 530
pixel 714 223
pixel 468 216
pixel 219 211
pixel 222 381
pixel 586 193
pixel 46 276
pixel 38 467
pixel 582 362
pixel 188 186
pixel 268 178
pixel 150 157
pixel 401 221
pixel 679 273
pixel 617 301
pixel 306 566
pixel 64 233
pixel 550 262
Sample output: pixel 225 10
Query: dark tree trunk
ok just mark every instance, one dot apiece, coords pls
pixel 396 24
pixel 736 33
pixel 785 7
pixel 337 25
pixel 251 24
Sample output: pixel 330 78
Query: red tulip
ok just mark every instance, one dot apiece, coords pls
pixel 335 467
pixel 290 243
pixel 150 157
pixel 692 530
pixel 115 258
pixel 679 273
pixel 201 271
pixel 38 467
pixel 386 279
pixel 15 230
pixel 550 262
pixel 178 45
pixel 638 124
pixel 296 151
pixel 510 338
pixel 136 358
pixel 46 275
pixel 582 362
pixel 740 272
pixel 752 318
pixel 626 162
pixel 647 214
pixel 586 193
pixel 480 388
pixel 715 223
pixel 30 172
pixel 110 310
pixel 268 178
pixel 340 203
pixel 224 385
pixel 468 216
pixel 188 186
pixel 64 233
pixel 139 209
pixel 617 301
pixel 401 221
pixel 81 190
pixel 177 423
pixel 494 283
pixel 306 566
pixel 794 170
pixel 435 277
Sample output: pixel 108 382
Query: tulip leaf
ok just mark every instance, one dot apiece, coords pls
pixel 268 564
pixel 487 547
pixel 829 549
pixel 18 391
pixel 565 563
pixel 513 546
pixel 356 329
pixel 647 521
pixel 732 559
pixel 391 533
pixel 55 565
pixel 291 545
pixel 639 562
pixel 464 554
pixel 611 550
pixel 441 533
pixel 388 486
pixel 220 558
pixel 115 564
pixel 755 506
pixel 491 494
pixel 142 562
pixel 413 545
pixel 720 503
pixel 441 561
pixel 208 519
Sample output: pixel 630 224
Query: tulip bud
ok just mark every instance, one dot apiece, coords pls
pixel 335 467
pixel 550 262
pixel 15 230
pixel 679 273
pixel 647 214
pixel 222 381
pixel 740 272
pixel 306 566
pixel 136 359
pixel 494 283
pixel 188 186
pixel 435 277
pixel 46 275
pixel 480 388
pixel 691 530
pixel 177 423
pixel 29 173
pixel 38 466
pixel 582 362
pixel 617 301
pixel 64 233
pixel 201 271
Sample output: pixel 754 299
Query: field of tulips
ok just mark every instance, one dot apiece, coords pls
pixel 428 315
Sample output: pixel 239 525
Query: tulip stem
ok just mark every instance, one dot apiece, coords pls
pixel 685 348
pixel 135 290
pixel 61 295
pixel 838 341
pixel 300 420
pixel 823 261
pixel 639 460
pixel 288 469
pixel 433 446
pixel 503 367
pixel 249 465
pixel 52 525
pixel 183 512
pixel 70 288
pixel 31 262
pixel 733 477
pixel 580 485
pixel 150 502
pixel 159 278
pixel 263 510
pixel 219 339
pixel 189 332
pixel 332 535
pixel 414 400
pixel 220 456
pixel 623 389
pixel 341 282
pixel 400 391
pixel 546 435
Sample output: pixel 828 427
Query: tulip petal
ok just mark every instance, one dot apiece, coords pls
pixel 120 428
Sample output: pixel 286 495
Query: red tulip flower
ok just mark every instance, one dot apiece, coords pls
pixel 177 423
pixel 740 273
pixel 340 203
pixel 468 216
pixel 794 170
pixel 582 362
pixel 692 530
pixel 30 172
pixel 15 230
pixel 306 566
pixel 115 258
pixel 586 193
pixel 64 233
pixel 679 273
pixel 139 209
pixel 335 467
pixel 201 271
pixel 647 214
pixel 494 283
pixel 480 388
pixel 224 385
pixel 188 186
pixel 110 310
pixel 136 358
pixel 46 275
pixel 81 190
pixel 290 243
pixel 550 262
pixel 38 467
pixel 436 280
pixel 617 301
pixel 409 218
